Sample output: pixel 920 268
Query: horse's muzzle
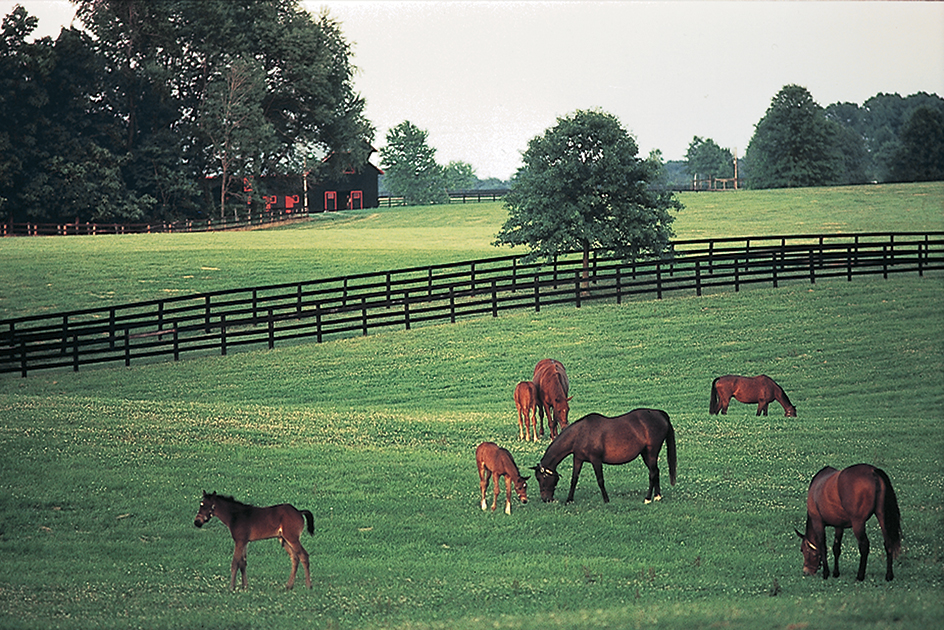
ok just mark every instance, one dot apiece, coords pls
pixel 197 522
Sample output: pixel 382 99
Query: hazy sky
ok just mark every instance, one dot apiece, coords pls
pixel 484 77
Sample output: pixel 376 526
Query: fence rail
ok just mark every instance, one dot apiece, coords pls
pixel 318 310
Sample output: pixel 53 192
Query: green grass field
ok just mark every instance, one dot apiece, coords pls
pixel 102 470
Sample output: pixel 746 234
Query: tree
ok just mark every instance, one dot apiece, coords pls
pixel 235 122
pixel 582 187
pixel 794 144
pixel 410 168
pixel 459 176
pixel 706 159
pixel 166 56
pixel 921 155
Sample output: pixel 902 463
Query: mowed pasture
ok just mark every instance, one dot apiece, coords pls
pixel 102 470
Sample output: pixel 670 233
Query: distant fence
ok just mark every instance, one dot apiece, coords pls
pixel 85 228
pixel 461 196
pixel 318 310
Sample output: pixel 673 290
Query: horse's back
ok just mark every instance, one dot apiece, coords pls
pixel 525 394
pixel 620 438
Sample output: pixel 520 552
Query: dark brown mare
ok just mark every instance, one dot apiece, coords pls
pixel 601 440
pixel 552 385
pixel 848 498
pixel 248 523
pixel 526 400
pixel 494 460
pixel 748 389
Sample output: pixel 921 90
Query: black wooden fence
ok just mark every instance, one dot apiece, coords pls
pixel 355 305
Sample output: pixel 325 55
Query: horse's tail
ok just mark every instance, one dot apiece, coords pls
pixel 670 448
pixel 311 521
pixel 891 524
pixel 715 405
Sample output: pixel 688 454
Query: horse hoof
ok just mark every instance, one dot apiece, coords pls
pixel 484 506
pixel 647 501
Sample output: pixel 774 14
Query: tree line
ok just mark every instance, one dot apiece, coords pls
pixel 158 109
pixel 889 138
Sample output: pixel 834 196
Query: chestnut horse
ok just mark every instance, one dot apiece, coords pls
pixel 494 460
pixel 601 440
pixel 552 385
pixel 247 523
pixel 848 498
pixel 526 400
pixel 760 389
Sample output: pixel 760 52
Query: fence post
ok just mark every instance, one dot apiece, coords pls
pixel 75 353
pixel 271 326
pixel 452 305
pixel 577 288
pixel 537 295
pixel 812 266
pixel 255 307
pixel 23 358
pixel 223 334
pixel 619 286
pixel 176 344
pixel 364 315
pixel 318 332
pixel 111 328
pixel 127 348
pixel 494 299
pixel 737 276
pixel 773 267
pixel 206 314
pixel 885 261
pixel 659 280
pixel 406 308
pixel 698 277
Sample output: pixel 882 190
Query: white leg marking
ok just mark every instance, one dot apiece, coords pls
pixel 507 507
pixel 484 505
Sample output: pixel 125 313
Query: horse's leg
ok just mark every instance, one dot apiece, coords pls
pixel 238 564
pixel 484 475
pixel 821 543
pixel 837 549
pixel 725 401
pixel 303 555
pixel 290 549
pixel 534 424
pixel 859 530
pixel 573 480
pixel 496 489
pixel 652 463
pixel 598 471
pixel 507 493
pixel 522 425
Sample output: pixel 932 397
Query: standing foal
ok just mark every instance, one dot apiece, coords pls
pixel 494 460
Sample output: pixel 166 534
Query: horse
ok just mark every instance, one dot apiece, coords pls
pixel 849 498
pixel 494 460
pixel 760 389
pixel 601 440
pixel 552 385
pixel 526 402
pixel 247 523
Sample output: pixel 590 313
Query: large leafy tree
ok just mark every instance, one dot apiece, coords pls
pixel 410 168
pixel 708 160
pixel 794 144
pixel 583 187
pixel 167 55
pixel 921 154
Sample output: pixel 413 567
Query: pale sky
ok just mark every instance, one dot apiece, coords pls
pixel 484 77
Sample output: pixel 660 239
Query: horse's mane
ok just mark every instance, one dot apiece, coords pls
pixel 229 499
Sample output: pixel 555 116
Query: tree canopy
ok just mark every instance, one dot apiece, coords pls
pixel 410 168
pixel 706 159
pixel 137 115
pixel 582 187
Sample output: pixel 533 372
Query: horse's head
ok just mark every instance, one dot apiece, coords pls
pixel 812 555
pixel 521 487
pixel 547 481
pixel 205 513
pixel 791 411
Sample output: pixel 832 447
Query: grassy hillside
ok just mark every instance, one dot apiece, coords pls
pixel 101 471
pixel 59 274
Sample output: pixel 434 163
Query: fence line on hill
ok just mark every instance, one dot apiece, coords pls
pixel 318 310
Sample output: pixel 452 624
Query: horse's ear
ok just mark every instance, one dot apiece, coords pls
pixel 798 532
pixel 569 399
pixel 525 478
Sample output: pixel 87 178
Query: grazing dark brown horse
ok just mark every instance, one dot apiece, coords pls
pixel 754 389
pixel 552 385
pixel 601 440
pixel 526 401
pixel 247 523
pixel 848 498
pixel 494 460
